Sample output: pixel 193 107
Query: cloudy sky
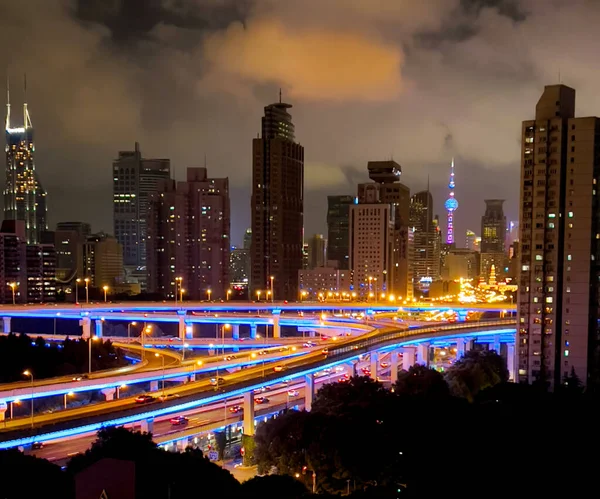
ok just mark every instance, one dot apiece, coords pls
pixel 417 80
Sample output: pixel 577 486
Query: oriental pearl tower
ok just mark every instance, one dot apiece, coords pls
pixel 451 205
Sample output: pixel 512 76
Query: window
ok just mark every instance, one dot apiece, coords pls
pixel 539 258
pixel 568 289
pixel 570 214
pixel 566 353
pixel 551 215
pixel 569 258
pixel 525 268
pixel 548 299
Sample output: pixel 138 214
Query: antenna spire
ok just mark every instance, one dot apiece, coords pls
pixel 279 95
pixel 26 118
pixel 7 102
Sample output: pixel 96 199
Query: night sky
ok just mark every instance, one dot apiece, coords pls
pixel 417 80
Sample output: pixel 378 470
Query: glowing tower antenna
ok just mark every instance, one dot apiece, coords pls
pixel 7 126
pixel 451 205
pixel 26 118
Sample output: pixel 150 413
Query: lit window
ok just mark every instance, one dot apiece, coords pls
pixel 525 268
pixel 566 353
pixel 551 215
pixel 570 214
pixel 568 289
pixel 569 257
pixel 549 299
pixel 539 258
pixel 551 225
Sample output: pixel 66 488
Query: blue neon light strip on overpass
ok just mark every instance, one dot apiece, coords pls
pixel 209 400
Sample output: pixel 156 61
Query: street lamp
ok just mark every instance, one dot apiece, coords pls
pixel 185 345
pixel 87 292
pixel 13 285
pixel 147 330
pixel 181 291
pixel 30 374
pixel 208 293
pixel 105 289
pixel 223 328
pixel 92 339
pixel 272 292
pixel 129 328
pixel 258 295
pixel 70 394
pixel 178 282
pixel 228 294
pixel 77 281
pixel 163 371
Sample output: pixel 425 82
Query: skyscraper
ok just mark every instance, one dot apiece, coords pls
pixel 277 205
pixel 317 251
pixel 338 220
pixel 426 243
pixel 493 234
pixel 100 259
pixel 24 196
pixel 134 180
pixel 189 236
pixel 387 189
pixel 558 312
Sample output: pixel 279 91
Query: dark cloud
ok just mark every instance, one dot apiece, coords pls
pixel 368 79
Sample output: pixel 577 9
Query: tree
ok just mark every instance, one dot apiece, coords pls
pixel 274 487
pixel 422 381
pixel 476 371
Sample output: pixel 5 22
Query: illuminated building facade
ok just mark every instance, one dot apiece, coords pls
pixel 558 329
pixel 100 258
pixel 134 180
pixel 189 237
pixel 451 206
pixel 426 258
pixel 24 196
pixel 338 229
pixel 277 205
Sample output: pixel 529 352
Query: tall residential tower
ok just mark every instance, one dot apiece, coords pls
pixel 277 205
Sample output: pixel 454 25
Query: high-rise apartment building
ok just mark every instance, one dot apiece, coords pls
pixel 387 189
pixel 68 239
pixel 317 251
pixel 338 229
pixel 277 205
pixel 189 237
pixel 248 239
pixel 239 265
pixel 83 229
pixel 558 311
pixel 100 259
pixel 493 239
pixel 24 196
pixel 473 241
pixel 426 241
pixel 41 273
pixel 134 180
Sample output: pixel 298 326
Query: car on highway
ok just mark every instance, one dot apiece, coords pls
pixel 278 369
pixel 236 409
pixel 344 378
pixel 217 381
pixel 293 393
pixel 261 400
pixel 167 396
pixel 262 389
pixel 144 399
pixel 179 420
pixel 384 365
pixel 37 445
pixel 81 377
pixel 325 351
pixel 263 352
pixel 309 344
pixel 229 357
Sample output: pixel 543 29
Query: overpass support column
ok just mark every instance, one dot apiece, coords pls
pixel 98 328
pixel 235 331
pixel 394 366
pixel 408 357
pixel 154 386
pixel 510 361
pixel 309 391
pixel 183 444
pixel 147 425
pixel 182 327
pixel 495 344
pixel 423 354
pixel 253 328
pixel 462 346
pixel 374 360
pixel 86 328
pixel 109 394
pixel 249 413
pixel 6 325
pixel 276 326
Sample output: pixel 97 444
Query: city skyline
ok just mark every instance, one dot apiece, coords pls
pixel 441 109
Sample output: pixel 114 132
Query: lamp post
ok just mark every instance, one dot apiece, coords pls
pixel 30 374
pixel 185 345
pixel 181 291
pixel 77 281
pixel 87 291
pixel 13 285
pixel 228 294
pixel 92 339
pixel 105 289
pixel 208 293
pixel 178 282
pixel 163 371
pixel 258 295
pixel 272 292
pixel 70 394
pixel 147 329
pixel 223 328
pixel 129 328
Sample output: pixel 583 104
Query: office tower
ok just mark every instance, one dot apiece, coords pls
pixel 239 265
pixel 473 241
pixel 83 229
pixel 426 243
pixel 558 316
pixel 189 237
pixel 41 273
pixel 325 283
pixel 338 220
pixel 68 239
pixel 493 234
pixel 451 206
pixel 386 189
pixel 461 263
pixel 371 247
pixel 317 251
pixel 305 256
pixel 277 205
pixel 134 180
pixel 248 239
pixel 24 196
pixel 100 260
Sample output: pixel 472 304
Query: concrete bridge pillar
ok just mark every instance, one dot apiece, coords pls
pixel 249 413
pixel 276 326
pixel 181 329
pixel 6 325
pixel 147 425
pixel 253 328
pixel 183 444
pixel 309 391
pixel 374 361
pixel 394 366
pixel 154 386
pixel 462 346
pixel 98 327
pixel 408 357
pixel 109 393
pixel 423 354
pixel 495 344
pixel 235 331
pixel 86 328
pixel 510 361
